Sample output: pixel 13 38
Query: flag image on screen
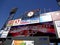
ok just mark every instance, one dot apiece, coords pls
pixel 40 29
pixel 22 42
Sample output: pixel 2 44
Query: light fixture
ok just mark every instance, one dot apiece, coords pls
pixel 30 14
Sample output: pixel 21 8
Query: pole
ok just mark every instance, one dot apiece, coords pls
pixel 11 15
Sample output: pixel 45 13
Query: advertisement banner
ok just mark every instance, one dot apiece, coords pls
pixel 20 22
pixel 34 20
pixel 22 42
pixel 57 24
pixel 55 15
pixel 10 23
pixel 17 22
pixel 24 22
pixel 46 17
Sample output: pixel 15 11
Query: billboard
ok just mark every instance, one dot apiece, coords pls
pixel 10 23
pixel 46 17
pixel 55 15
pixel 50 16
pixel 17 22
pixel 57 25
pixel 34 20
pixel 23 42
pixel 22 22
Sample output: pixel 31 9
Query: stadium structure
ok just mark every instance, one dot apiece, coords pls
pixel 33 24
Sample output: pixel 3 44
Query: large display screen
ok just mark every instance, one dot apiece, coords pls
pixel 39 29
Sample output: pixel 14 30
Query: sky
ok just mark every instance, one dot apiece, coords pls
pixel 24 5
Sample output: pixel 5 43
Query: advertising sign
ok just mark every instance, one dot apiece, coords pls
pixel 24 22
pixel 55 15
pixel 34 20
pixel 10 23
pixel 22 42
pixel 17 22
pixel 57 24
pixel 20 22
pixel 46 17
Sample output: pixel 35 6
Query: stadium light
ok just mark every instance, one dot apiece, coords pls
pixel 13 11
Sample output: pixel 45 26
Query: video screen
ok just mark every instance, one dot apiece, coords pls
pixel 22 42
pixel 40 29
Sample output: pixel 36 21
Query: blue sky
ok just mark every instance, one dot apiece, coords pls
pixel 24 5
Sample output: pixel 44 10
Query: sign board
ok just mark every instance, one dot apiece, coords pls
pixel 23 42
pixel 55 15
pixel 22 22
pixel 46 17
pixel 10 23
pixel 34 20
pixel 17 22
pixel 57 25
